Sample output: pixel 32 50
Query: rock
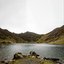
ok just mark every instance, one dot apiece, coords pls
pixel 53 59
pixel 33 54
pixel 2 61
pixel 18 56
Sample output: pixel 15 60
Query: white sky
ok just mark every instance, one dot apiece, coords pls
pixel 39 16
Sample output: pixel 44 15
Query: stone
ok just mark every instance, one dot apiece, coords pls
pixel 18 56
pixel 33 54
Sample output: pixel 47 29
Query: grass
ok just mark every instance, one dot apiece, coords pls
pixel 31 61
pixel 59 41
pixel 48 62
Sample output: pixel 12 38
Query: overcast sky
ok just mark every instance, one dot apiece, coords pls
pixel 39 16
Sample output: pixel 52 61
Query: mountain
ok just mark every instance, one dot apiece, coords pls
pixel 7 37
pixel 29 36
pixel 54 37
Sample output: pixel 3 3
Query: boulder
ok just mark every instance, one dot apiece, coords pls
pixel 18 56
pixel 53 59
pixel 33 54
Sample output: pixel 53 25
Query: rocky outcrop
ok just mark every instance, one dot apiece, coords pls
pixel 32 58
pixel 34 54
pixel 18 56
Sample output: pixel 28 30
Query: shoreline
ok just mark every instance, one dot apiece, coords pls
pixel 32 58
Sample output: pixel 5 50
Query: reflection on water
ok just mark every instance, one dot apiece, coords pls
pixel 44 50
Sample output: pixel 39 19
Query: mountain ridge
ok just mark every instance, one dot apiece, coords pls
pixel 56 36
pixel 9 37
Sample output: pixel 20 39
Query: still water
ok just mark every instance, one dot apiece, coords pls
pixel 44 50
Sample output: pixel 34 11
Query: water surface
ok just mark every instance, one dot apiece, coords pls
pixel 44 50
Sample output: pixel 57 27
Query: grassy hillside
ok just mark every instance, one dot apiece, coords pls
pixel 29 36
pixel 8 37
pixel 59 41
pixel 55 37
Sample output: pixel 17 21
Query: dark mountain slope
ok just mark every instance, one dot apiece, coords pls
pixel 6 36
pixel 29 36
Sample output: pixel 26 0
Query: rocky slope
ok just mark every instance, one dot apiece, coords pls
pixel 56 36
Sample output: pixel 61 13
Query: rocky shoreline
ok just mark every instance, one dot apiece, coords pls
pixel 32 58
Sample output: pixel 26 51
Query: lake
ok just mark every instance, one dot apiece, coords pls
pixel 44 50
